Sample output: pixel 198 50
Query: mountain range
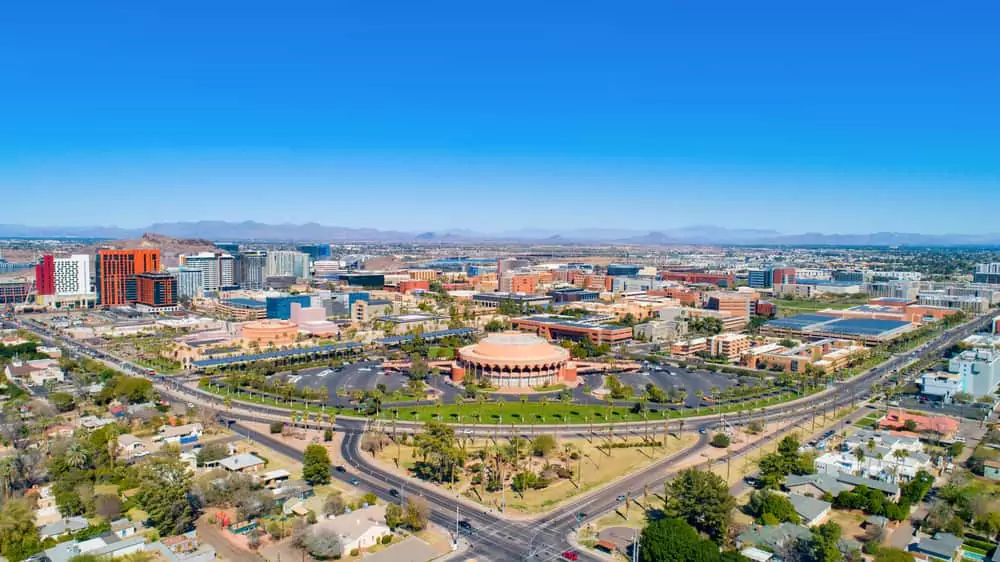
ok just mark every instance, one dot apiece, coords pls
pixel 251 230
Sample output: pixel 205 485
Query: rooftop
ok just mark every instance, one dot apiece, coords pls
pixel 241 461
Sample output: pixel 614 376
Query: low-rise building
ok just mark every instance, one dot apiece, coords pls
pixel 689 347
pixel 811 510
pixel 184 548
pixel 825 355
pixel 729 345
pixel 187 433
pixel 62 527
pixel 244 462
pixel 408 323
pixel 131 447
pixel 942 546
pixel 359 529
pixel 660 330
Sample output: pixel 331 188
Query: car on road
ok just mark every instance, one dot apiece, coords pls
pixel 340 468
pixel 465 525
pixel 394 493
pixel 570 555
pixel 702 430
pixel 620 498
pixel 354 482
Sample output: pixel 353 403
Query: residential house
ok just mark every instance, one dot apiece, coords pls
pixel 187 433
pixel 46 510
pixel 885 456
pixel 184 548
pixel 123 528
pixel 131 447
pixel 274 478
pixel 245 462
pixel 36 372
pixel 815 485
pixel 942 546
pixel 59 431
pixel 411 549
pixel 98 547
pixel 359 529
pixel 62 527
pixel 772 537
pixel 94 422
pixel 812 511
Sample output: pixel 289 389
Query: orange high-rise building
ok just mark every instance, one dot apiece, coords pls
pixel 116 271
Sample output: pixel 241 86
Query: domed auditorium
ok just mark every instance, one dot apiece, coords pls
pixel 514 360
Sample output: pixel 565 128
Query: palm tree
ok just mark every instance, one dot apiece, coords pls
pixel 77 455
pixel 6 475
pixel 859 453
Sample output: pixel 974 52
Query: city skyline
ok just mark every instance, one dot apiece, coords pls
pixel 785 117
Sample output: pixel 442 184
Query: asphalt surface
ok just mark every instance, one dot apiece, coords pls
pixel 495 538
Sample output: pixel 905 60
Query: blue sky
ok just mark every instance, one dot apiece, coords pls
pixel 797 116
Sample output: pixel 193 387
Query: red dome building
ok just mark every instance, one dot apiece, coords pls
pixel 514 360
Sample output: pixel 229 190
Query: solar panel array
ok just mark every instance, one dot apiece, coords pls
pixel 332 348
pixel 800 321
pixel 393 340
pixel 863 326
pixel 836 325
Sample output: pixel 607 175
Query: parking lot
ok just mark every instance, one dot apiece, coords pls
pixel 688 380
pixel 363 375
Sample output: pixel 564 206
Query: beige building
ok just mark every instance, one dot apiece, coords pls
pixel 729 345
pixel 826 355
pixel 688 348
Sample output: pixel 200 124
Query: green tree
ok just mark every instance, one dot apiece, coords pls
pixel 821 545
pixel 212 452
pixel 779 507
pixel 674 540
pixel 416 513
pixel 316 465
pixel 18 534
pixel 62 401
pixel 720 440
pixel 543 445
pixel 163 495
pixel 702 499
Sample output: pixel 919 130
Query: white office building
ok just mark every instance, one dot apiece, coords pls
pixel 979 369
pixel 286 263
pixel 72 276
pixel 218 269
pixel 190 281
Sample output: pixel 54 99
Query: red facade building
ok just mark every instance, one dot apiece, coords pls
pixel 45 276
pixel 116 271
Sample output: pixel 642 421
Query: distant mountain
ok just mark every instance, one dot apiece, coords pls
pixel 699 234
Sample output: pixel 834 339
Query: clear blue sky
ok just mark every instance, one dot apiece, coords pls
pixel 849 116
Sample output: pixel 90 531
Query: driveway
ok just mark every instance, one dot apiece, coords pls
pixel 224 548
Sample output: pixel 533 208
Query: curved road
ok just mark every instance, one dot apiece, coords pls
pixel 494 537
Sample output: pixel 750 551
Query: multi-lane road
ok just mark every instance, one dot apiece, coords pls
pixel 493 536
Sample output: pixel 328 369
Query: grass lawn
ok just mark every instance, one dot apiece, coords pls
pixel 518 413
pixel 598 469
pixel 868 422
pixel 803 306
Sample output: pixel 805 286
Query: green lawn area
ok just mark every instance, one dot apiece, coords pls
pixel 868 421
pixel 517 412
pixel 555 412
pixel 802 306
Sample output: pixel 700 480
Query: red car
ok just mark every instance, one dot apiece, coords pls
pixel 570 555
